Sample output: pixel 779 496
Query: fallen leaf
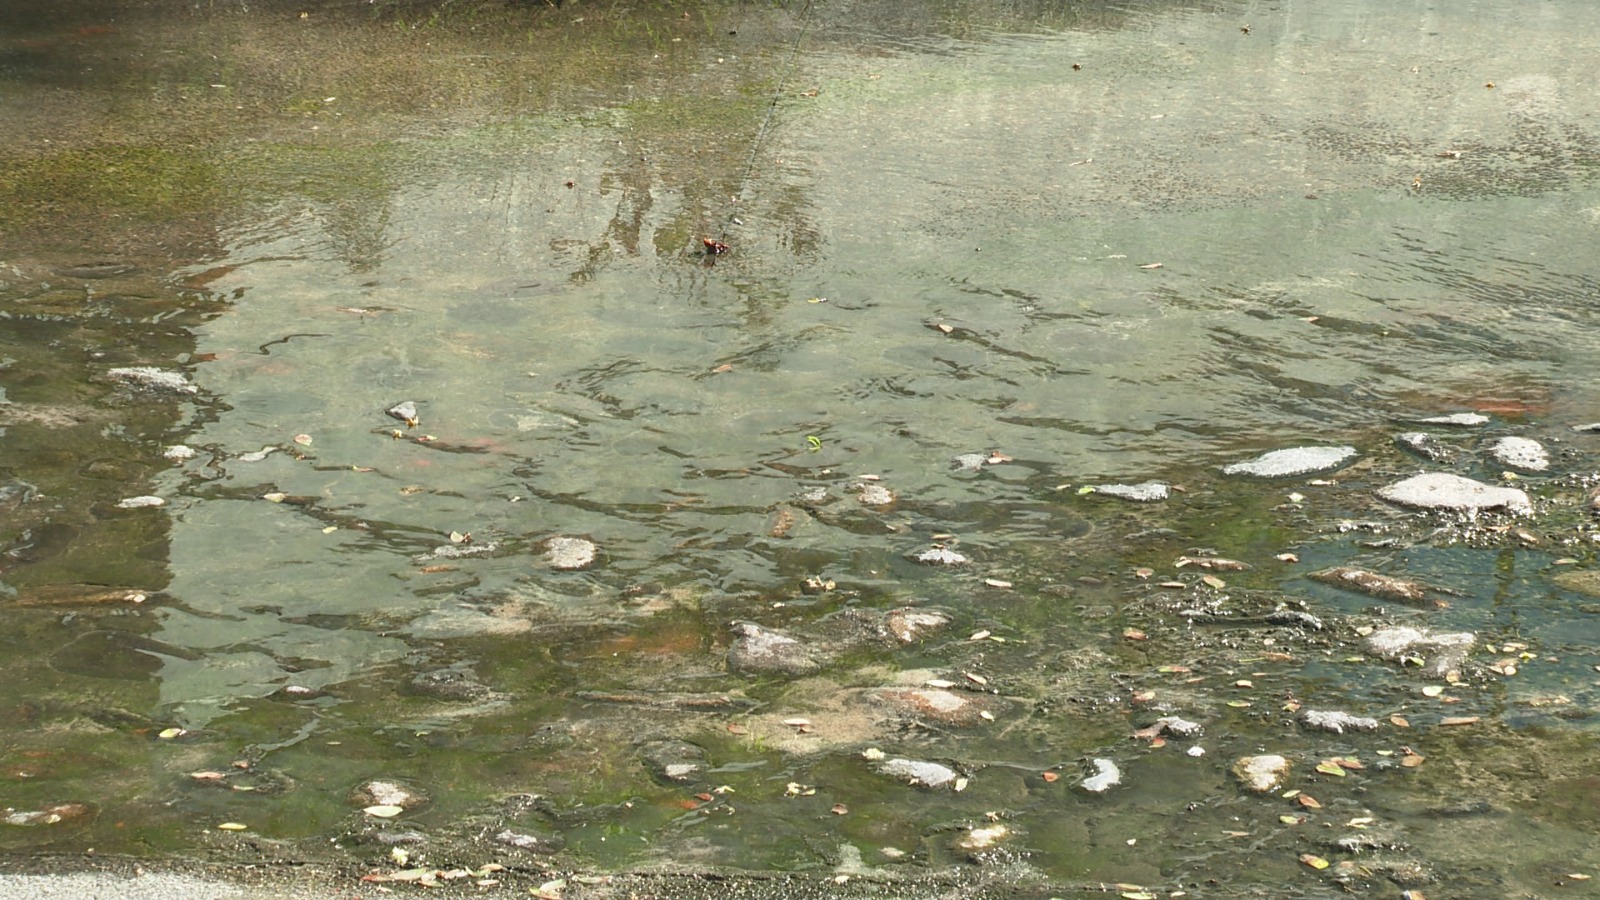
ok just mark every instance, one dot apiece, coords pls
pixel 1240 704
pixel 1143 572
pixel 839 809
pixel 1432 690
pixel 1330 767
pixel 1308 801
pixel 232 826
pixel 1412 760
pixel 1399 721
pixel 975 678
pixel 303 440
pixel 1052 777
pixel 1314 861
pixel 1458 720
pixel 1289 820
pixel 384 811
pixel 725 367
pixel 1151 266
pixel 1214 582
pixel 797 723
pixel 996 583
pixel 979 635
pixel 1134 634
pixel 944 328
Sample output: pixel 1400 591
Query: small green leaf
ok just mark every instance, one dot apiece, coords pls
pixel 815 442
pixel 1086 489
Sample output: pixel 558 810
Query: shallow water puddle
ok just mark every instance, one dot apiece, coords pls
pixel 639 442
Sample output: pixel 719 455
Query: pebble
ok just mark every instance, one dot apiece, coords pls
pixel 1144 492
pixel 1106 776
pixel 153 379
pixel 1293 461
pixel 762 651
pixel 1175 726
pixel 1438 490
pixel 875 495
pixel 969 462
pixel 1260 774
pixel 1335 721
pixel 405 411
pixel 1521 453
pixel 1426 446
pixel 984 837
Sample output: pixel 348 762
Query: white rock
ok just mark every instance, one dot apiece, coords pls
pixel 140 502
pixel 1461 419
pixel 1105 777
pixel 180 452
pixel 1144 492
pixel 1260 774
pixel 1293 461
pixel 154 379
pixel 1439 490
pixel 1521 453
pixel 569 552
pixel 919 773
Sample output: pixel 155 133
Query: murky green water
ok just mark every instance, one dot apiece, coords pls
pixel 1106 243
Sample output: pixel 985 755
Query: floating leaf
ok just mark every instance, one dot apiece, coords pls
pixel 1308 801
pixel 1314 861
pixel 839 809
pixel 975 678
pixel 1289 820
pixel 1329 767
pixel 303 440
pixel 1412 760
pixel 1134 634
pixel 1432 690
pixel 1240 704
pixel 1459 720
pixel 1052 777
pixel 1086 489
pixel 1399 721
pixel 168 734
pixel 939 683
pixel 996 583
pixel 233 826
pixel 979 635
pixel 1143 572
pixel 1173 669
pixel 1214 582
pixel 814 441
pixel 384 811
pixel 1137 895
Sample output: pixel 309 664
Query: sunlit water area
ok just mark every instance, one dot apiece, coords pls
pixel 797 446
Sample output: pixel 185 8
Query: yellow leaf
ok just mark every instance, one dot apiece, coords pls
pixel 232 826
pixel 1314 861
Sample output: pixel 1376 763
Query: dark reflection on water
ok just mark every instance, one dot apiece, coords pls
pixel 983 257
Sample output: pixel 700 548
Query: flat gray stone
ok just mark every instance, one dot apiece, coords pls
pixel 940 556
pixel 153 379
pixel 1441 654
pixel 762 651
pixel 1293 461
pixel 1440 490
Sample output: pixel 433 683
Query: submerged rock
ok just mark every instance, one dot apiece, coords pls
pixel 874 494
pixel 922 774
pixel 907 624
pixel 143 502
pixel 1426 446
pixel 1438 490
pixel 1170 725
pixel 673 761
pixel 1460 420
pixel 50 815
pixel 151 378
pixel 761 651
pixel 943 706
pixel 388 793
pixel 533 843
pixel 1384 587
pixel 984 837
pixel 1106 776
pixel 1260 774
pixel 1521 453
pixel 450 684
pixel 569 552
pixel 1335 721
pixel 1144 492
pixel 1441 654
pixel 940 556
pixel 1293 461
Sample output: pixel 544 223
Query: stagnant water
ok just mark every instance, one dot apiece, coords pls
pixel 979 258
